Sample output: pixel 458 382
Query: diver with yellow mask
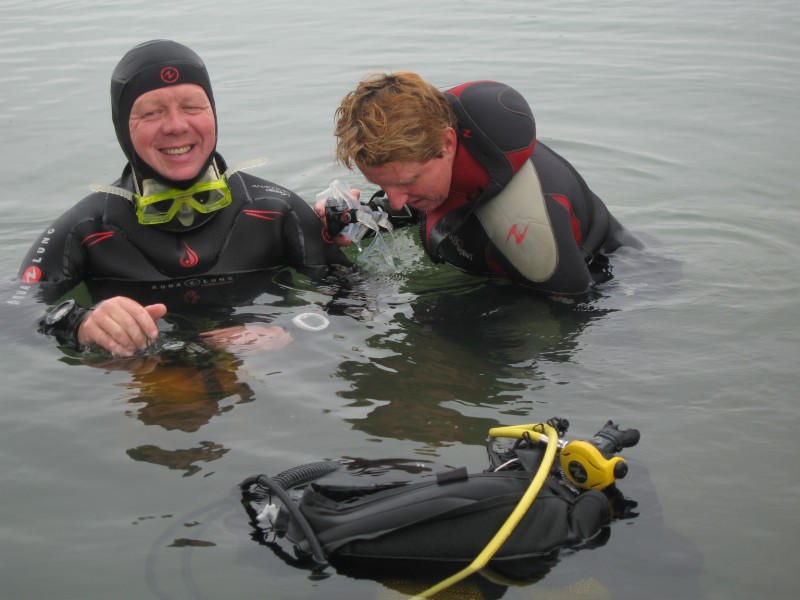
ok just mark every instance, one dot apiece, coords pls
pixel 178 228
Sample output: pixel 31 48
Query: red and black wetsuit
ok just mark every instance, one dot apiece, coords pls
pixel 497 135
pixel 99 242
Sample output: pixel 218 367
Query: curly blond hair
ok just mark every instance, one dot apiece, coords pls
pixel 395 117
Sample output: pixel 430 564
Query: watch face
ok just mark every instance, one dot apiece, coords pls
pixel 59 312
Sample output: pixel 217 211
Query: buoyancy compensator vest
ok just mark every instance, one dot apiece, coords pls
pixel 416 510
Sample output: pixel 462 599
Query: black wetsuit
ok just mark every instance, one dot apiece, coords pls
pixel 100 243
pixel 496 133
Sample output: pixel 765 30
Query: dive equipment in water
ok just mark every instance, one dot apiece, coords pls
pixel 587 464
pixel 591 464
pixel 520 509
pixel 511 522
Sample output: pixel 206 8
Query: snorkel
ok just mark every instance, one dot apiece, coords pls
pixel 149 66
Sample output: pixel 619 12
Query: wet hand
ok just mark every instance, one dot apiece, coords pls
pixel 121 326
pixel 250 338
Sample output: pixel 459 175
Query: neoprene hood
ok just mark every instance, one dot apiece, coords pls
pixel 149 66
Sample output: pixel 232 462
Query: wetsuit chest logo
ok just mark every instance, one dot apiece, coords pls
pixel 189 257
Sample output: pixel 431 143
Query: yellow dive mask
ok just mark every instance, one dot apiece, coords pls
pixel 204 197
pixel 156 205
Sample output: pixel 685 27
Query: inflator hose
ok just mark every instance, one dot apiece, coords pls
pixel 513 519
pixel 304 474
pixel 276 488
pixel 286 480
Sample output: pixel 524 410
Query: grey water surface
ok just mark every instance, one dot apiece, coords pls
pixel 682 116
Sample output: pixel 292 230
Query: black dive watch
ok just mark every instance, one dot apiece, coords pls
pixel 63 322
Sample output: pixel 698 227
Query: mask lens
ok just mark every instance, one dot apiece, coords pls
pixel 160 207
pixel 210 200
pixel 202 197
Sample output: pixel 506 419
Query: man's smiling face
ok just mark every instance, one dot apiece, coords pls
pixel 173 130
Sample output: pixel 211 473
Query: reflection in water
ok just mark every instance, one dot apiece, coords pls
pixel 488 584
pixel 186 397
pixel 180 460
pixel 182 390
pixel 191 374
pixel 181 386
pixel 457 350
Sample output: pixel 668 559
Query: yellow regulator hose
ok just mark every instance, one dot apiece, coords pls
pixel 516 515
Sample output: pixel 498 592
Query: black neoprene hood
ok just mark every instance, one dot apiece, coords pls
pixel 150 66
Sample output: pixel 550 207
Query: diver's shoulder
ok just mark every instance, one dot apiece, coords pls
pixel 259 188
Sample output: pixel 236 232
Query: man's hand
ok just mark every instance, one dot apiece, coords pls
pixel 121 326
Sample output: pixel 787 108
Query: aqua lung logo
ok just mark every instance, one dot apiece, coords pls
pixel 170 75
pixel 195 282
pixel 32 274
